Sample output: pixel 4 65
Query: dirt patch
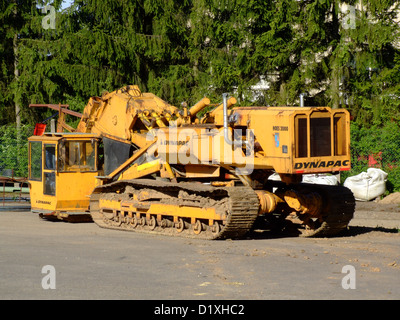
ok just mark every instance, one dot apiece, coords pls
pixel 377 206
pixel 391 198
pixel 384 215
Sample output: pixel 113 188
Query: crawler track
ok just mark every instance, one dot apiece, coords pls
pixel 337 212
pixel 194 210
pixel 338 209
pixel 237 207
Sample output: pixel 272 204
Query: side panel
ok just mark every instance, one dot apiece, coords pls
pixel 202 146
pixel 297 140
pixel 72 193
pixel 273 131
pixel 73 190
pixel 39 201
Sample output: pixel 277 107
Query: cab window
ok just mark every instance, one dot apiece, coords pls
pixel 49 156
pixel 35 160
pixel 77 156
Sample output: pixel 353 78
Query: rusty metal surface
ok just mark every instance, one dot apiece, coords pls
pixel 4 180
pixel 57 107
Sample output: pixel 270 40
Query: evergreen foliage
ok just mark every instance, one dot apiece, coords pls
pixel 14 156
pixel 183 50
pixel 378 146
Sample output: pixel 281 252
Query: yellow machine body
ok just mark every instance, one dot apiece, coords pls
pixel 288 140
pixel 136 162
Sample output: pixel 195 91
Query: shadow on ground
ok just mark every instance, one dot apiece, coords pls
pixel 351 231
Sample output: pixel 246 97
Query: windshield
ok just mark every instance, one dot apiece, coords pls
pixel 77 156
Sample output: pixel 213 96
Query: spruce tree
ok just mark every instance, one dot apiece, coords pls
pixel 183 50
pixel 367 60
pixel 101 45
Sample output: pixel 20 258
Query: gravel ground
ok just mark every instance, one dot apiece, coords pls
pixel 94 263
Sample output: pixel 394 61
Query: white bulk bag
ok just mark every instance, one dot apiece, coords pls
pixel 367 185
pixel 312 178
pixel 320 179
pixel 325 179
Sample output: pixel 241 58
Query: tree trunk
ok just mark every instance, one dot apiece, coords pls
pixel 17 95
pixel 16 77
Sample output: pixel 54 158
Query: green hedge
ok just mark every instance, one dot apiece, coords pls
pixel 379 147
pixel 14 152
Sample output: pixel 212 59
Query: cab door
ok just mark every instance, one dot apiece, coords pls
pixel 49 169
pixel 42 176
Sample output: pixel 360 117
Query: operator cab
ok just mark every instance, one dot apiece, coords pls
pixel 62 167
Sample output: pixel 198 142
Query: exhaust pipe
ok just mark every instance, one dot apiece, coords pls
pixel 302 95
